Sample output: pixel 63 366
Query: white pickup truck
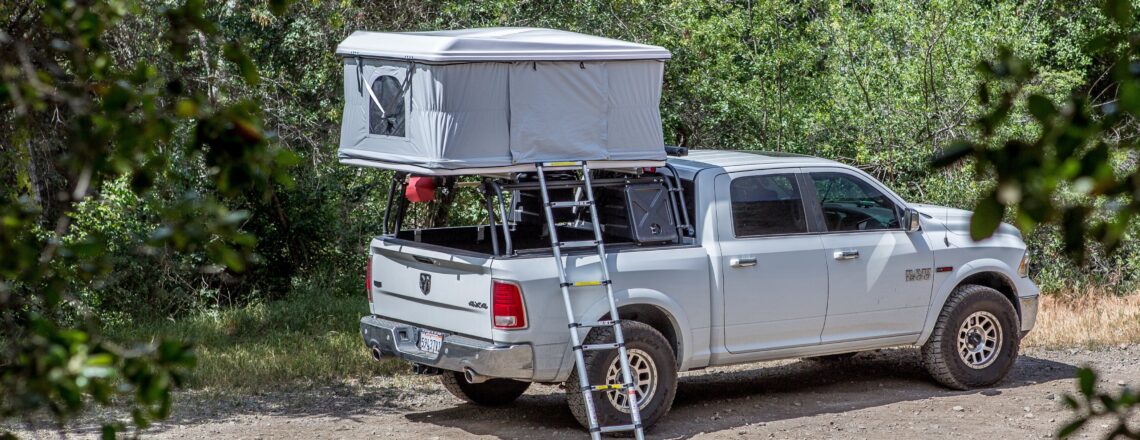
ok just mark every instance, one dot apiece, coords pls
pixel 788 257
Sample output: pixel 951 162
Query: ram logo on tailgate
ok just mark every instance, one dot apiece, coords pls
pixel 425 283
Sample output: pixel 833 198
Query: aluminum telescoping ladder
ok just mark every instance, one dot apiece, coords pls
pixel 584 386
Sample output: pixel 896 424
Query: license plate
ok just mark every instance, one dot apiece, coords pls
pixel 429 341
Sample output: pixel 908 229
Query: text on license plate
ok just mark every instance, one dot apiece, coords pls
pixel 429 341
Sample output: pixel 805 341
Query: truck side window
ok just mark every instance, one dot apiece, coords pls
pixel 851 204
pixel 767 204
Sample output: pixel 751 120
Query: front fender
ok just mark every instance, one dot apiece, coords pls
pixel 639 296
pixel 943 289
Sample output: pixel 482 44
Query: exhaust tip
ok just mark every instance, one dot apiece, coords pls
pixel 473 377
pixel 376 354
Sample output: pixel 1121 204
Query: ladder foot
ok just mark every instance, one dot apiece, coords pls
pixel 609 323
pixel 618 428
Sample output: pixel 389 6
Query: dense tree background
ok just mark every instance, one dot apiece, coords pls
pixel 217 97
pixel 881 85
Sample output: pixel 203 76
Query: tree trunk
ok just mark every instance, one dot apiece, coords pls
pixel 49 184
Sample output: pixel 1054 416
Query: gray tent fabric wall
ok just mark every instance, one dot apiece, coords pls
pixel 462 110
pixel 558 111
pixel 485 114
pixel 586 111
pixel 634 120
pixel 456 115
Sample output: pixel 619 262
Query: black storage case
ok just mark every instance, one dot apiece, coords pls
pixel 638 212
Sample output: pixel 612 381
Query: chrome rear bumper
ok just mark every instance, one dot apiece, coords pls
pixel 457 353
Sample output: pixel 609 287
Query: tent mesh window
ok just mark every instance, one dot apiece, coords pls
pixel 389 120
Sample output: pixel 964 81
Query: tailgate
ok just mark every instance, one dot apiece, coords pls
pixel 432 289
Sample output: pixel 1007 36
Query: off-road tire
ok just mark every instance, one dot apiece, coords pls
pixel 640 337
pixel 832 358
pixel 493 392
pixel 940 354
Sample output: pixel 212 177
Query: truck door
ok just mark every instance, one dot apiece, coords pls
pixel 880 275
pixel 775 284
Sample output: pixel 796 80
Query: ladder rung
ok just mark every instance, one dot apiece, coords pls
pixel 609 346
pixel 571 204
pixel 578 244
pixel 608 387
pixel 586 283
pixel 608 323
pixel 618 428
pixel 566 163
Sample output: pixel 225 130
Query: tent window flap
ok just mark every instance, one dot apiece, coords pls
pixel 386 107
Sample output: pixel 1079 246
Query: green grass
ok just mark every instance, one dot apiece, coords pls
pixel 307 338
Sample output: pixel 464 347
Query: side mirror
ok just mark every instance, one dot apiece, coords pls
pixel 911 221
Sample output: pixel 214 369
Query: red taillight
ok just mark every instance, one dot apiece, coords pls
pixel 507 311
pixel 368 279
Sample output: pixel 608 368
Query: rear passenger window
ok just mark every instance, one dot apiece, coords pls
pixel 766 205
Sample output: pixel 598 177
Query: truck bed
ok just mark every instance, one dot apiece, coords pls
pixel 528 239
pixel 446 290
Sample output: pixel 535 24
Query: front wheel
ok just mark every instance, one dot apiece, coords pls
pixel 652 365
pixel 975 341
pixel 494 392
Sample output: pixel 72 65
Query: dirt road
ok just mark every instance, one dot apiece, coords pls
pixel 878 395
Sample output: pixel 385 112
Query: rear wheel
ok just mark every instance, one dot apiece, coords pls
pixel 652 365
pixel 975 341
pixel 493 392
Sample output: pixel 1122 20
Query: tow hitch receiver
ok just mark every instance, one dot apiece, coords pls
pixel 425 370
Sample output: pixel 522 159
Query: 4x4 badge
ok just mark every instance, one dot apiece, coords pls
pixel 425 283
pixel 920 274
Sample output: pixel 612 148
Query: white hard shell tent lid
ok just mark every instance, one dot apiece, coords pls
pixel 495 44
pixel 499 99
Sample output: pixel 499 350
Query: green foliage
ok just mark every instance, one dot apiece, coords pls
pixel 1090 403
pixel 1073 169
pixel 79 115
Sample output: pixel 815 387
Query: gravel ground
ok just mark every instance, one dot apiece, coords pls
pixel 881 395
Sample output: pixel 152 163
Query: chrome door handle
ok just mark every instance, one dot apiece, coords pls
pixel 846 254
pixel 742 262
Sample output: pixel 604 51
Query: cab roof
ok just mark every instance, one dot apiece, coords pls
pixel 698 160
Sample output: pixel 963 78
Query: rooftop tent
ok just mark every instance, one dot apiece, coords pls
pixel 503 98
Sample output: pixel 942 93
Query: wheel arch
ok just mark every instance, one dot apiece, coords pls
pixel 991 273
pixel 997 281
pixel 655 317
pixel 656 310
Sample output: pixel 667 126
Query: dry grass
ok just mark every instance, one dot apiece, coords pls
pixel 1092 319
